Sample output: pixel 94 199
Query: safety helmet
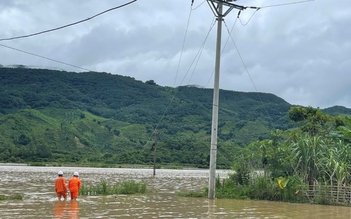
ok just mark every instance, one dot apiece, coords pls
pixel 60 173
pixel 75 174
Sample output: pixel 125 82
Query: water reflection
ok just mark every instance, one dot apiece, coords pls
pixel 60 209
pixel 73 210
pixel 66 209
pixel 37 183
pixel 211 208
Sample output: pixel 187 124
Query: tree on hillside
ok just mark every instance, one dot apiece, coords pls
pixel 313 121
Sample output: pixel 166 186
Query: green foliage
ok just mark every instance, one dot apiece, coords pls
pixel 90 118
pixel 313 121
pixel 103 188
pixel 15 196
pixel 242 172
pixel 193 194
pixel 131 187
pixel 299 161
pixel 346 129
pixel 259 188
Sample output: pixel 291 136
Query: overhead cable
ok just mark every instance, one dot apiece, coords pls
pixel 194 62
pixel 284 4
pixel 178 67
pixel 225 45
pixel 244 24
pixel 198 5
pixel 198 55
pixel 268 6
pixel 183 44
pixel 68 25
pixel 248 73
pixel 43 57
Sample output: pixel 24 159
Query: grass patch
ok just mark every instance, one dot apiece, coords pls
pixel 103 188
pixel 194 194
pixel 12 197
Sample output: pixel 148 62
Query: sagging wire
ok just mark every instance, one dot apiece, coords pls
pixel 198 5
pixel 43 57
pixel 177 71
pixel 225 44
pixel 249 18
pixel 248 73
pixel 198 55
pixel 268 6
pixel 238 17
pixel 176 91
pixel 68 25
pixel 291 3
pixel 183 45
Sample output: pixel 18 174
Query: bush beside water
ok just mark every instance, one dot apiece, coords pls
pixel 256 188
pixel 103 188
pixel 11 197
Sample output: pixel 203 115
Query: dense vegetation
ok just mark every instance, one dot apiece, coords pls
pixel 311 163
pixel 88 118
pixel 104 188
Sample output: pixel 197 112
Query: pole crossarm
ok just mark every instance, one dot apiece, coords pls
pixel 227 3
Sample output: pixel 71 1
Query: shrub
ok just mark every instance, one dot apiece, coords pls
pixel 103 188
pixel 15 196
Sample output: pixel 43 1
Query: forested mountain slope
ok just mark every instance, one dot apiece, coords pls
pixel 49 115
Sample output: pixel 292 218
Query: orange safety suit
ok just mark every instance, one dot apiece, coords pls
pixel 60 187
pixel 74 185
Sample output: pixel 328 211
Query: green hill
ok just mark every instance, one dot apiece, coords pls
pixel 58 116
pixel 337 111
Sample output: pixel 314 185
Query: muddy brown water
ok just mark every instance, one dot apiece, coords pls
pixel 37 183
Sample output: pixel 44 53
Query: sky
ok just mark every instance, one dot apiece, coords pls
pixel 298 50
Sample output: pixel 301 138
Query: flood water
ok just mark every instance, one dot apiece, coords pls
pixel 37 183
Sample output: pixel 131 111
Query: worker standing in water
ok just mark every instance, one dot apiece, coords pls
pixel 74 185
pixel 60 186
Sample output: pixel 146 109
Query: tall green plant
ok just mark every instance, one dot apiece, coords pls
pixel 346 130
pixel 307 153
pixel 336 163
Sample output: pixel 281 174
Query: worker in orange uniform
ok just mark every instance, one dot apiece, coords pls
pixel 74 185
pixel 60 186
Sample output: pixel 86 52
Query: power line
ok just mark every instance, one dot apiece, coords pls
pixel 178 67
pixel 284 4
pixel 248 73
pixel 68 25
pixel 244 24
pixel 194 60
pixel 269 6
pixel 198 5
pixel 198 54
pixel 43 57
pixel 225 45
pixel 183 44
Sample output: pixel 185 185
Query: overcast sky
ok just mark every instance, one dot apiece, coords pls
pixel 299 52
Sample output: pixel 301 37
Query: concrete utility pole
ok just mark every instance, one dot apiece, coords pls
pixel 217 9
